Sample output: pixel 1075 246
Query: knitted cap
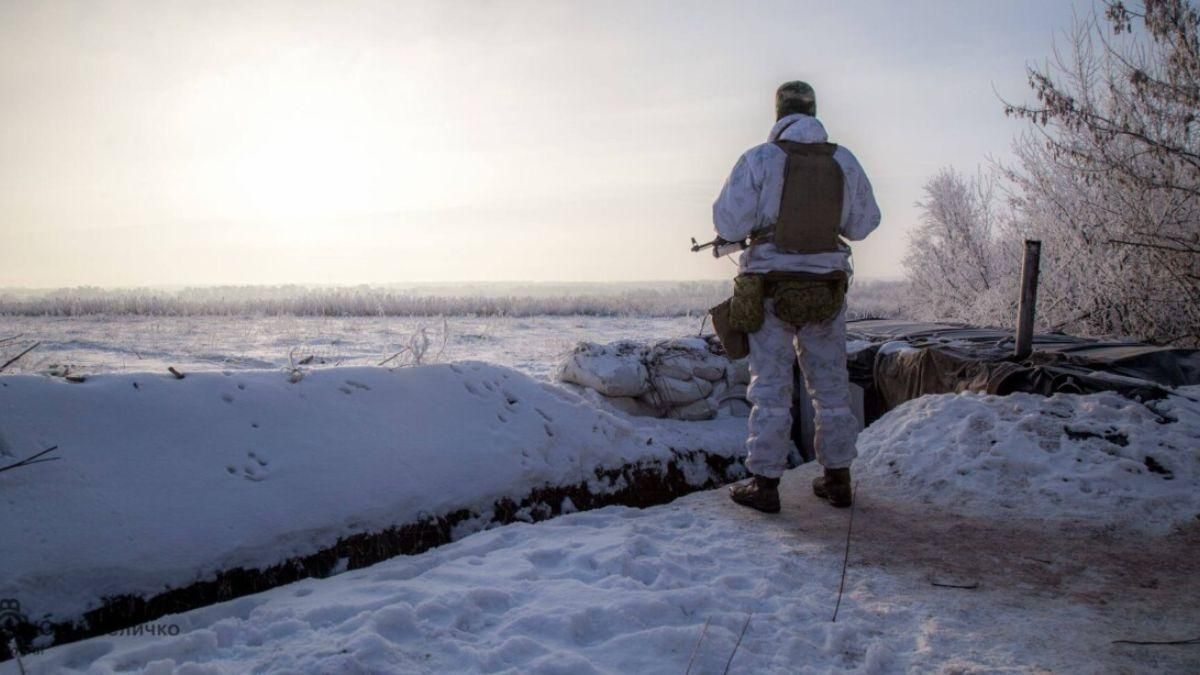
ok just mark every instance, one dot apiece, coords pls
pixel 795 97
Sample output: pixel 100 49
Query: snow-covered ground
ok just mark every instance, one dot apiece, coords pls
pixel 629 591
pixel 1102 458
pixel 164 482
pixel 962 559
pixel 90 344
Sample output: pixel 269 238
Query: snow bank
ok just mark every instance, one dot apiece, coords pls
pixel 674 588
pixel 1099 457
pixel 166 482
pixel 609 591
pixel 684 378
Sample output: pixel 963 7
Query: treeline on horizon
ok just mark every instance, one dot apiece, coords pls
pixel 882 299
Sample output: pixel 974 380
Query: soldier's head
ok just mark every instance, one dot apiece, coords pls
pixel 795 97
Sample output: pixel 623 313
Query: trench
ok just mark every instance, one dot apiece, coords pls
pixel 642 484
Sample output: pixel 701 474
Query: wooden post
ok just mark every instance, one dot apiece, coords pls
pixel 1027 307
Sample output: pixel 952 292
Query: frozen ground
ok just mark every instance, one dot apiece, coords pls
pixel 939 580
pixel 90 344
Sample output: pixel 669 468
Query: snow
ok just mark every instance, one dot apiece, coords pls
pixel 623 590
pixel 620 590
pixel 1014 533
pixel 163 482
pixel 1100 457
pixel 106 344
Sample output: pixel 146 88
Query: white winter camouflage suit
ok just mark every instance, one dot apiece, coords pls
pixel 749 201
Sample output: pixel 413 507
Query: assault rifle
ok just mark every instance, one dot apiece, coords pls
pixel 721 247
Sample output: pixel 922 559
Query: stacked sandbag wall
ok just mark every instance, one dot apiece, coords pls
pixel 683 378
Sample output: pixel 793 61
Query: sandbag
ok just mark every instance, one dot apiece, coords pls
pixel 675 392
pixel 679 371
pixel 632 406
pixel 682 378
pixel 608 371
pixel 694 412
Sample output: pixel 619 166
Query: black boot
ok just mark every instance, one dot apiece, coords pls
pixel 835 487
pixel 759 493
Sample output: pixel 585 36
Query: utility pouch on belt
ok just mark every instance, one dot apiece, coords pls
pixel 746 312
pixel 805 299
pixel 736 343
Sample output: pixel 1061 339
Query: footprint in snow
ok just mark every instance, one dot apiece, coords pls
pixel 546 557
pixel 254 469
pixel 358 385
pixel 228 398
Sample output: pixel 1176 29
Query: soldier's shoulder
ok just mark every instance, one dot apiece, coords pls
pixel 841 148
pixel 763 150
pixel 844 155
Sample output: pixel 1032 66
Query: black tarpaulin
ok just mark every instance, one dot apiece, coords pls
pixel 906 360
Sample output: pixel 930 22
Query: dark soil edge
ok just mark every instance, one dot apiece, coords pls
pixel 642 484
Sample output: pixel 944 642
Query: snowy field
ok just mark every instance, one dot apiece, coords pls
pixel 1002 571
pixel 530 327
pixel 92 344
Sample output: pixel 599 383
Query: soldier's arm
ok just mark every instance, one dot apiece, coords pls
pixel 735 213
pixel 863 216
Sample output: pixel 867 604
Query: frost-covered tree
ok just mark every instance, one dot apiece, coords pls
pixel 1110 178
pixel 956 268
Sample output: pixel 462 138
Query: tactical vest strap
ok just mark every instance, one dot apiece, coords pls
pixel 810 208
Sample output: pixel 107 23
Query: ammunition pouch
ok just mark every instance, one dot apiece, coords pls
pixel 746 312
pixel 800 299
pixel 735 342
pixel 806 299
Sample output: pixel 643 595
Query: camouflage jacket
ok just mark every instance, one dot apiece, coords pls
pixel 749 201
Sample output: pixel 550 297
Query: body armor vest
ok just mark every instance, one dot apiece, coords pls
pixel 810 208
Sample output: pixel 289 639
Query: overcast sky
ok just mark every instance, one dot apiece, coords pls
pixel 159 143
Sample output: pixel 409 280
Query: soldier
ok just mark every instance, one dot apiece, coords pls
pixel 798 198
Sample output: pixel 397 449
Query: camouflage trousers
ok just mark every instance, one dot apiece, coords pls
pixel 821 348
